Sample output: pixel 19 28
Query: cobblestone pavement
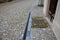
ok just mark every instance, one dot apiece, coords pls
pixel 41 33
pixel 13 17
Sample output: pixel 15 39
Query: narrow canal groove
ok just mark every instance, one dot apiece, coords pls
pixel 28 27
pixel 26 35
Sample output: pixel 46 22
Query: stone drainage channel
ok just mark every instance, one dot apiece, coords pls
pixel 37 33
pixel 26 35
pixel 27 29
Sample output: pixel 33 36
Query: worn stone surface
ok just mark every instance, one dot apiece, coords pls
pixel 39 22
pixel 41 33
pixel 13 18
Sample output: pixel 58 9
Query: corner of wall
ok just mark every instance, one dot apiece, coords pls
pixel 56 29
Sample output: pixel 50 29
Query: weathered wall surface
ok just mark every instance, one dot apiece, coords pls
pixel 56 22
pixel 46 7
pixel 41 2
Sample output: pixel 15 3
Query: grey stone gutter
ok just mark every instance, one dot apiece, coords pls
pixel 26 35
pixel 28 27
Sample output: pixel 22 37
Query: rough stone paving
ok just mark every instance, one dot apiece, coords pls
pixel 41 33
pixel 39 22
pixel 13 18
